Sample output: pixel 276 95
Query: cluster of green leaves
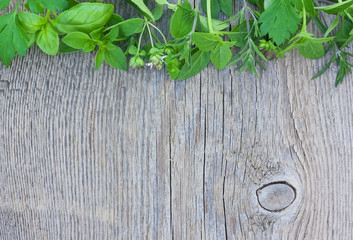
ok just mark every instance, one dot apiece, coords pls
pixel 262 30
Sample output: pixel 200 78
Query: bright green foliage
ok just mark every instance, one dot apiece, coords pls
pixel 48 40
pixel 182 20
pixel 83 17
pixel 279 21
pixel 198 38
pixel 13 38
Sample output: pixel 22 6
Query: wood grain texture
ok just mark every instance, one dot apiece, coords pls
pixel 116 155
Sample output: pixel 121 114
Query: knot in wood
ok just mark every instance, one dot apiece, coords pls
pixel 276 196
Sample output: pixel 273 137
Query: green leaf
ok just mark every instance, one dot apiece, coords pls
pixel 311 49
pixel 157 12
pixel 97 34
pixel 279 21
pixel 343 32
pixel 13 38
pixel 64 48
pixel 114 19
pixel 202 24
pixel 115 57
pixel 128 27
pixel 182 20
pixel 30 22
pixel 142 8
pixel 34 6
pixel 332 26
pixel 336 8
pixel 199 61
pixel 4 4
pixel 48 40
pixel 226 7
pixel 267 3
pixel 53 5
pixel 99 58
pixel 79 40
pixel 221 55
pixel 205 41
pixel 239 34
pixel 215 8
pixel 83 17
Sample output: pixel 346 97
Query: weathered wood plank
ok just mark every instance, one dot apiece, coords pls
pixel 115 155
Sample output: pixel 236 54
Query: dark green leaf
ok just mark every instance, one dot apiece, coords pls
pixel 221 55
pixel 311 49
pixel 205 41
pixel 181 21
pixel 64 48
pixel 48 40
pixel 279 21
pixel 215 8
pixel 13 38
pixel 4 4
pixel 199 61
pixel 202 25
pixel 114 19
pixel 226 7
pixel 34 6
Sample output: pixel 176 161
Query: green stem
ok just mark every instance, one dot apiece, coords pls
pixel 160 32
pixel 209 16
pixel 18 5
pixel 139 44
pixel 304 18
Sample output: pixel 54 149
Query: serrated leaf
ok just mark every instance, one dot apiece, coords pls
pixel 13 38
pixel 53 5
pixel 181 21
pixel 220 56
pixel 48 40
pixel 205 41
pixel 279 21
pixel 336 8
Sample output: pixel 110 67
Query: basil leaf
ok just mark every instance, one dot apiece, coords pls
pixel 48 40
pixel 83 17
pixel 205 41
pixel 128 27
pixel 34 6
pixel 79 40
pixel 221 55
pixel 30 22
pixel 99 59
pixel 181 21
pixel 115 57
pixel 199 61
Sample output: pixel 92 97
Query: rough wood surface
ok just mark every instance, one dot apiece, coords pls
pixel 116 155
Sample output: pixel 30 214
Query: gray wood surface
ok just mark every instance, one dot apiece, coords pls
pixel 135 155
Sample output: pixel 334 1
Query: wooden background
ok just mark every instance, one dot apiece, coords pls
pixel 135 155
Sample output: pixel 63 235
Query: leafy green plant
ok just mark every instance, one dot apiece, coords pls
pixel 260 31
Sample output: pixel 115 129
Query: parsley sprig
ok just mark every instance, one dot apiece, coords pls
pixel 260 31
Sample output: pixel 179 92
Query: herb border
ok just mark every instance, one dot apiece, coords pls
pixel 264 30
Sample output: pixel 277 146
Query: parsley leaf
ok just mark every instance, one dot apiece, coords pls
pixel 54 5
pixel 12 38
pixel 279 21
